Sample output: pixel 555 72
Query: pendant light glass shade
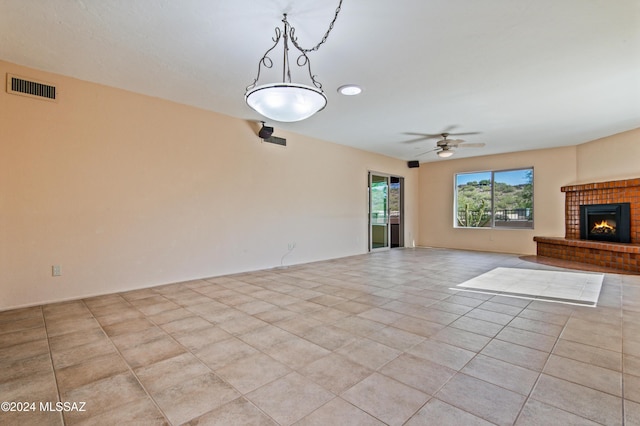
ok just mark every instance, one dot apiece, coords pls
pixel 286 102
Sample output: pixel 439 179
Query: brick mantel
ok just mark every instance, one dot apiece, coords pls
pixel 602 185
pixel 618 191
pixel 625 257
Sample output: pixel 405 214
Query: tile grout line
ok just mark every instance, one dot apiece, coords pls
pixel 535 384
pixel 167 296
pixel 188 350
pixel 478 353
pixel 55 376
pixel 539 374
pixel 459 371
pixel 242 395
pixel 558 338
pixel 123 358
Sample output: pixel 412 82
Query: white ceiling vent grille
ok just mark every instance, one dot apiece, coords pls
pixel 31 88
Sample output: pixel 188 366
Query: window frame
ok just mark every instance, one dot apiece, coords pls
pixel 493 199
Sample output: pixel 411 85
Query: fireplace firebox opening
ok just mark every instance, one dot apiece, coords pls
pixel 606 222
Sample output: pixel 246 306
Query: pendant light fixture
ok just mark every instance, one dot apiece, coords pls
pixel 445 152
pixel 287 101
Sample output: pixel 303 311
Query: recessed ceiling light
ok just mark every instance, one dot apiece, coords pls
pixel 350 89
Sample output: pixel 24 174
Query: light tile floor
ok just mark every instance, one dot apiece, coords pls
pixel 371 339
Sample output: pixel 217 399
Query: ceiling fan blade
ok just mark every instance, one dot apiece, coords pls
pixel 415 140
pixel 426 152
pixel 424 135
pixel 453 142
pixel 472 145
pixel 443 142
pixel 464 134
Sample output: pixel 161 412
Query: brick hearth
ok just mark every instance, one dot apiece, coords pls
pixel 625 257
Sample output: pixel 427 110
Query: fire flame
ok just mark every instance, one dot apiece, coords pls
pixel 602 227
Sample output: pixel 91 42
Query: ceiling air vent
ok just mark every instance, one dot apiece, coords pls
pixel 31 88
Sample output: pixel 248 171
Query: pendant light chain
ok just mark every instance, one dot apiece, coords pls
pixel 294 40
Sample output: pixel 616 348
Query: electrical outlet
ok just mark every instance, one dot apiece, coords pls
pixel 56 271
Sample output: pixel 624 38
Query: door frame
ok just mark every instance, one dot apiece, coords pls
pixel 400 224
pixel 401 211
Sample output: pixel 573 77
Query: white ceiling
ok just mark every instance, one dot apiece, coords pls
pixel 525 74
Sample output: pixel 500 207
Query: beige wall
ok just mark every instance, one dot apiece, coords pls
pixel 126 191
pixel 612 158
pixel 553 168
pixel 616 157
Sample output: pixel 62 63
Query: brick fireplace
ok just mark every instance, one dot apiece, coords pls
pixel 621 256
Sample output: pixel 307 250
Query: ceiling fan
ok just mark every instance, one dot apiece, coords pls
pixel 446 147
pixel 441 134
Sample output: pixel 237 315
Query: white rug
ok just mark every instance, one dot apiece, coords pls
pixel 577 288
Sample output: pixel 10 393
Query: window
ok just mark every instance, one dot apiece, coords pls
pixel 494 199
